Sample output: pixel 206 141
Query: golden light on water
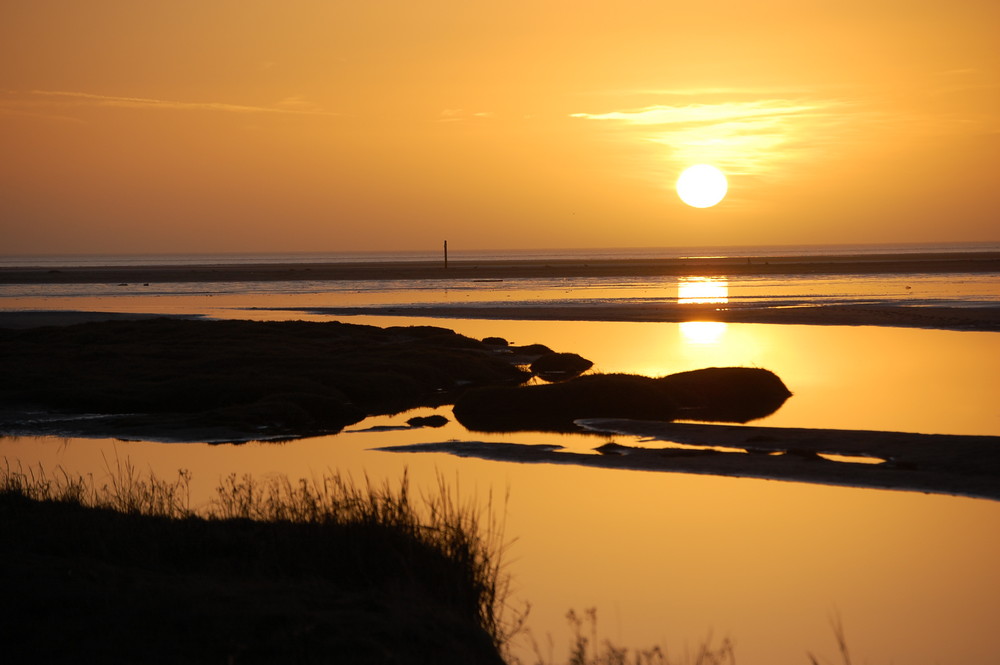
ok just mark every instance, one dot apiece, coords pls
pixel 702 291
pixel 554 513
pixel 703 332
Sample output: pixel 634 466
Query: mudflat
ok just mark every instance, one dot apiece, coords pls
pixel 931 463
pixel 941 318
pixel 930 262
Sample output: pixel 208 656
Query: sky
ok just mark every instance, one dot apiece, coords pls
pixel 325 125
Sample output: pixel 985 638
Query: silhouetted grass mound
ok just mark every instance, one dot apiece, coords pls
pixel 280 573
pixel 555 406
pixel 435 420
pixel 239 378
pixel 560 366
pixel 728 394
pixel 734 394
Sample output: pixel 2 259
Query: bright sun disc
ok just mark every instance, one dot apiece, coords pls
pixel 702 186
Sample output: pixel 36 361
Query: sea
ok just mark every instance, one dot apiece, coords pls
pixel 592 253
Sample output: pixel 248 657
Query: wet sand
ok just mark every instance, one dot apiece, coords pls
pixel 957 262
pixel 933 463
pixel 940 318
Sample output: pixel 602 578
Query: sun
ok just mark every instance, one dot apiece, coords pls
pixel 702 186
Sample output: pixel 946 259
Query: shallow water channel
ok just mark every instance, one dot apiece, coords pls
pixel 669 558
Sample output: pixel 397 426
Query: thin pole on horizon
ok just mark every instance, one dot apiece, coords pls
pixel 445 254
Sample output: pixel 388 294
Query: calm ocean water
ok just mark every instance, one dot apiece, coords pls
pixel 456 252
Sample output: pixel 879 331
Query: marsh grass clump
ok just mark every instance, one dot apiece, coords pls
pixel 560 366
pixel 727 394
pixel 126 570
pixel 840 635
pixel 124 490
pixel 587 647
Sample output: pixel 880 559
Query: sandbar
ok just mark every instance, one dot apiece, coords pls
pixel 986 319
pixel 933 463
pixel 939 318
pixel 911 263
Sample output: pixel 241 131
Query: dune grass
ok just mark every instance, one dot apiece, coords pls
pixel 587 647
pixel 268 571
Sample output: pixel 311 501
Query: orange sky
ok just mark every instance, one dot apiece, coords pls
pixel 323 125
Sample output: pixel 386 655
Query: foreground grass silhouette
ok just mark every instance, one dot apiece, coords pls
pixel 322 571
pixel 314 572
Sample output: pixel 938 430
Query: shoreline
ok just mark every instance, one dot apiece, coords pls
pixel 965 319
pixel 931 262
pixel 978 319
pixel 956 465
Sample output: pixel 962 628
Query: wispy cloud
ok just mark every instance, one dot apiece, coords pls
pixel 457 115
pixel 36 98
pixel 743 136
pixel 705 113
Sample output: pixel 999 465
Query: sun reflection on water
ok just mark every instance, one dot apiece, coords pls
pixel 702 332
pixel 702 291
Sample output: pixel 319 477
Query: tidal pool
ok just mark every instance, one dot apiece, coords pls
pixel 669 558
